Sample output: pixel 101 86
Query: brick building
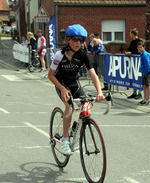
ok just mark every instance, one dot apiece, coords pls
pixel 4 12
pixel 112 19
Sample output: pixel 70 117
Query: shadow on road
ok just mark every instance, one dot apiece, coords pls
pixel 36 172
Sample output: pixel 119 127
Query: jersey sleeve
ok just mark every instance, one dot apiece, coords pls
pixel 57 59
pixel 42 40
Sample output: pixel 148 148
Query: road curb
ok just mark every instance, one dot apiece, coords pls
pixel 131 104
pixel 8 65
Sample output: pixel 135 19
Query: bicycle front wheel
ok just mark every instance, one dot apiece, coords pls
pixel 92 152
pixel 56 133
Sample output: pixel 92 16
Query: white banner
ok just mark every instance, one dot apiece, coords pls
pixel 21 53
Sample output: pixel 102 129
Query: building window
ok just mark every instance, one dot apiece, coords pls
pixel 106 36
pixel 119 36
pixel 113 30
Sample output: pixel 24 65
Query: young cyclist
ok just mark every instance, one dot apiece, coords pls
pixel 41 49
pixel 64 74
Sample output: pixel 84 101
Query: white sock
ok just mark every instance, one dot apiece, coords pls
pixel 65 138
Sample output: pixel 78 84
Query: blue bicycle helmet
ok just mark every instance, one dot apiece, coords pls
pixel 76 30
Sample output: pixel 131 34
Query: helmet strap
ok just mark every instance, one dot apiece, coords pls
pixel 68 48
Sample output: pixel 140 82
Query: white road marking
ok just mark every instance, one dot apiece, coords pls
pixel 117 113
pixel 131 180
pixel 30 112
pixel 37 129
pixel 27 147
pixel 40 126
pixel 29 75
pixel 46 126
pixel 146 171
pixel 33 147
pixel 12 78
pixel 77 179
pixel 3 110
pixel 133 126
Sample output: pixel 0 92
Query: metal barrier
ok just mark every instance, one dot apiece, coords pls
pixel 21 53
pixel 100 72
pixel 17 52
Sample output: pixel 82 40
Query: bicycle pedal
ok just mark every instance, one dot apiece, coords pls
pixel 75 148
pixel 52 142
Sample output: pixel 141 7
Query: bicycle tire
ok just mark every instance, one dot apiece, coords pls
pixel 31 68
pixel 93 161
pixel 56 130
pixel 36 62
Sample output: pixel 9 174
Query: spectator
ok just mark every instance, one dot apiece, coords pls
pixel 90 44
pixel 24 41
pixel 32 42
pixel 137 94
pixel 145 70
pixel 97 48
pixel 96 35
pixel 41 49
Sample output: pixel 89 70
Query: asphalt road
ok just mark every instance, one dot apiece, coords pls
pixel 26 101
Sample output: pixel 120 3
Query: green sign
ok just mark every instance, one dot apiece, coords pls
pixel 11 17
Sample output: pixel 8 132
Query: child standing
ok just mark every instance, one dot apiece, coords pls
pixel 145 70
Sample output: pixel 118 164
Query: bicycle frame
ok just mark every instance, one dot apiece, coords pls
pixel 82 116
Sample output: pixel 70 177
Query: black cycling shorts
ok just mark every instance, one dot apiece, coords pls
pixel 74 87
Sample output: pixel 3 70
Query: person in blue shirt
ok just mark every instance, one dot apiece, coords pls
pixel 24 41
pixel 98 47
pixel 145 70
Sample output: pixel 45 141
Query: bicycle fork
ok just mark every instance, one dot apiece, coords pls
pixel 93 139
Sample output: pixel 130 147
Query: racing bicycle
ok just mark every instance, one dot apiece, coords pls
pixel 35 62
pixel 86 137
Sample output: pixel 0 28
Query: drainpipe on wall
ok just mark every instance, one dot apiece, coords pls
pixel 147 25
pixel 39 5
pixel 56 23
pixel 29 26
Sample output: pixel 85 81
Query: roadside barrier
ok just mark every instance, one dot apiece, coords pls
pixel 119 70
pixel 21 53
pixel 122 70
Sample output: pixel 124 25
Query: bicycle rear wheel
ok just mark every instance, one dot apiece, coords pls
pixel 56 133
pixel 92 152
